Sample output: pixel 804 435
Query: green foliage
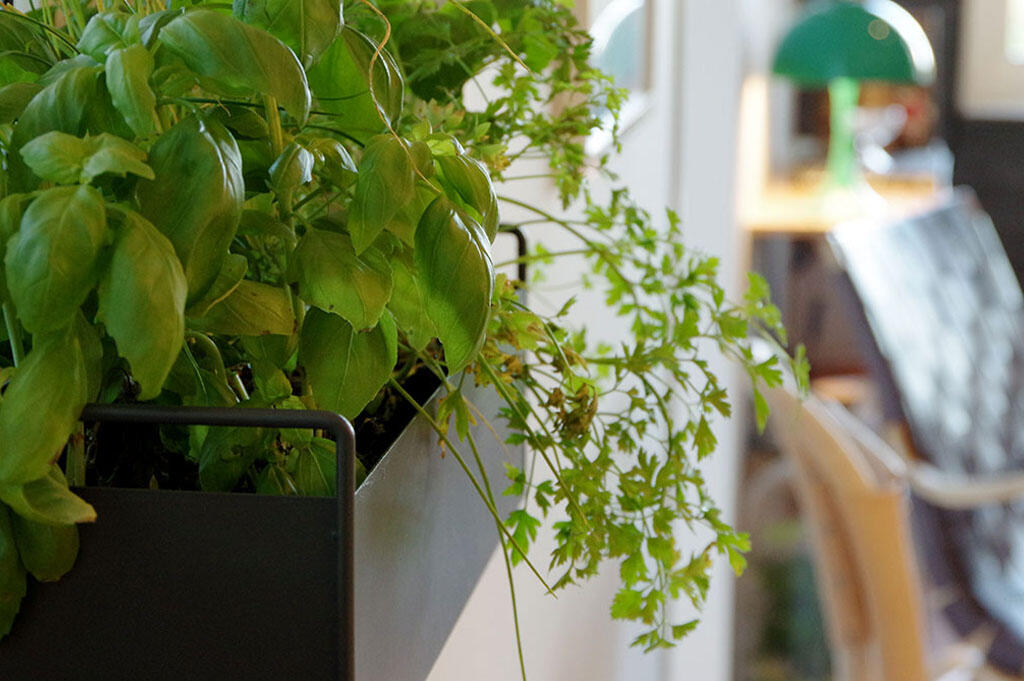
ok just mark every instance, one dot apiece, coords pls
pixel 142 300
pixel 457 278
pixel 12 574
pixel 264 207
pixel 196 196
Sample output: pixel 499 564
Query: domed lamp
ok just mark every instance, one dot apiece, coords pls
pixel 840 43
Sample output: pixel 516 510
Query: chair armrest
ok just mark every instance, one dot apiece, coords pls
pixel 960 492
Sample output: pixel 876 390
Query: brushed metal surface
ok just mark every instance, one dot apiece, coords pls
pixel 423 537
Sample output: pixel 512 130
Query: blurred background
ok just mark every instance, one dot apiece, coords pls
pixel 769 126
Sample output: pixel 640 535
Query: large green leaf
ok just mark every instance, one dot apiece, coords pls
pixel 307 26
pixel 92 354
pixel 252 309
pixel 62 105
pixel 386 183
pixel 13 585
pixel 407 303
pixel 74 100
pixel 14 98
pixel 316 469
pixel 469 180
pixel 41 407
pixel 66 159
pixel 229 278
pixel 238 60
pixel 47 551
pixel 128 72
pixel 108 32
pixel 142 302
pixel 52 260
pixel 456 276
pixel 346 368
pixel 47 500
pixel 226 454
pixel 332 161
pixel 151 24
pixel 331 276
pixel 196 198
pixel 341 82
pixel 292 169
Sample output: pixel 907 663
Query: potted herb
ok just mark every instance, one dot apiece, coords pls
pixel 285 204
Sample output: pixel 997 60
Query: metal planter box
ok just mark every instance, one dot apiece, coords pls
pixel 189 585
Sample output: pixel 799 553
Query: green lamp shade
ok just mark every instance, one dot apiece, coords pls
pixel 870 40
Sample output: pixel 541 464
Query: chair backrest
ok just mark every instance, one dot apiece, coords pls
pixel 947 316
pixel 851 487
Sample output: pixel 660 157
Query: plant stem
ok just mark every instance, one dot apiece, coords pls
pixel 274 121
pixel 74 467
pixel 13 334
pixel 515 606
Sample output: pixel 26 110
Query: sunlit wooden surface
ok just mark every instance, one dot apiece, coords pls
pixel 804 207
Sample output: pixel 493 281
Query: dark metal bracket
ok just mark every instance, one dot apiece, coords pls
pixel 344 437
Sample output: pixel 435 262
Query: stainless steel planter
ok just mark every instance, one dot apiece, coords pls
pixel 423 537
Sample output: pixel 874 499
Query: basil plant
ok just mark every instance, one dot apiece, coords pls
pixel 286 203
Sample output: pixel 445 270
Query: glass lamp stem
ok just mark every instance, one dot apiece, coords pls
pixel 843 94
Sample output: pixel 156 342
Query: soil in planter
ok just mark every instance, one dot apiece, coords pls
pixel 153 456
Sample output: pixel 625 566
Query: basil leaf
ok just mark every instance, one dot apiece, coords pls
pixel 236 60
pixel 316 469
pixel 230 276
pixel 346 368
pixel 469 180
pixel 331 276
pixel 142 302
pixel 14 98
pixel 41 407
pixel 62 105
pixel 13 585
pixel 128 72
pixel 456 277
pixel 252 309
pixel 341 82
pixel 226 454
pixel 66 159
pixel 408 305
pixel 47 551
pixel 275 481
pixel 51 261
pixel 386 183
pixel 88 337
pixel 333 162
pixel 151 24
pixel 108 32
pixel 48 500
pixel 292 169
pixel 196 198
pixel 307 26
pixel 243 122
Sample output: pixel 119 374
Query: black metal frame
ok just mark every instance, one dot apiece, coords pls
pixel 344 437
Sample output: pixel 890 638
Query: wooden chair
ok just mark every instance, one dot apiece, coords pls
pixel 946 319
pixel 855 493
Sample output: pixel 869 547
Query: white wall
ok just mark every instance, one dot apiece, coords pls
pixel 990 86
pixel 681 154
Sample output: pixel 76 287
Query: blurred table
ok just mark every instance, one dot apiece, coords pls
pixel 786 229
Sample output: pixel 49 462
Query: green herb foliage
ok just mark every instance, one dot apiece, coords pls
pixel 285 203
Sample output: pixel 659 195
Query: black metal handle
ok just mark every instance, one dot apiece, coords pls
pixel 345 443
